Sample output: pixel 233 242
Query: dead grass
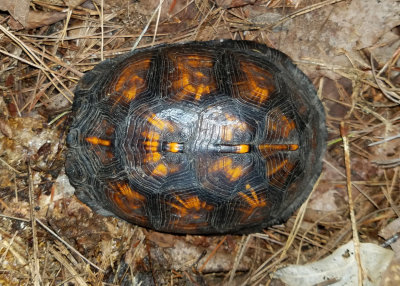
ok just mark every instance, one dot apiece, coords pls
pixel 48 238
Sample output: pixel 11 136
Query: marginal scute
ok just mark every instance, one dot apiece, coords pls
pixel 202 137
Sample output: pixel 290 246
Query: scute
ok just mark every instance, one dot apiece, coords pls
pixel 201 137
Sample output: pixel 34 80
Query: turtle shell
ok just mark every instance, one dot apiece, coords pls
pixel 201 137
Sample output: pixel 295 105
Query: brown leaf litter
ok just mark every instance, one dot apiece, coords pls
pixel 351 51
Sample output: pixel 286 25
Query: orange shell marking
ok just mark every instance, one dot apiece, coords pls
pixel 289 125
pixel 242 148
pixel 160 123
pixel 281 127
pixel 128 200
pixel 233 125
pixel 174 147
pixel 278 170
pixel 194 77
pixel 273 169
pixel 225 164
pixel 152 157
pixel 254 201
pixel 190 206
pixel 98 141
pixel 258 84
pixel 151 145
pixel 277 147
pixel 160 170
pixel 132 80
pixel 130 195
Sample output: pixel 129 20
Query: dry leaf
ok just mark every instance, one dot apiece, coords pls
pixel 73 3
pixel 233 3
pixel 340 267
pixel 5 128
pixel 39 19
pixel 391 277
pixel 18 9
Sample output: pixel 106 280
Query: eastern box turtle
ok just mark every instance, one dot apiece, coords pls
pixel 202 137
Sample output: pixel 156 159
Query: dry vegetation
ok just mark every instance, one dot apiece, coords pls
pixel 47 237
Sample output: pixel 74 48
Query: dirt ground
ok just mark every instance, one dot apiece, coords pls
pixel 350 50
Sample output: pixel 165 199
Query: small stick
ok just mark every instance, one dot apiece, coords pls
pixel 157 21
pixel 68 245
pixel 356 240
pixel 36 268
pixel 212 254
pixel 147 26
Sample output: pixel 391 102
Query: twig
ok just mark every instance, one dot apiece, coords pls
pixel 46 70
pixel 147 26
pixel 384 140
pixel 68 245
pixel 68 266
pixel 102 29
pixel 8 247
pixel 239 256
pixel 56 236
pixel 304 11
pixel 157 21
pixel 356 240
pixel 353 183
pixel 202 21
pixel 212 254
pixel 297 223
pixel 389 94
pixel 264 268
pixel 10 167
pixel 36 268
